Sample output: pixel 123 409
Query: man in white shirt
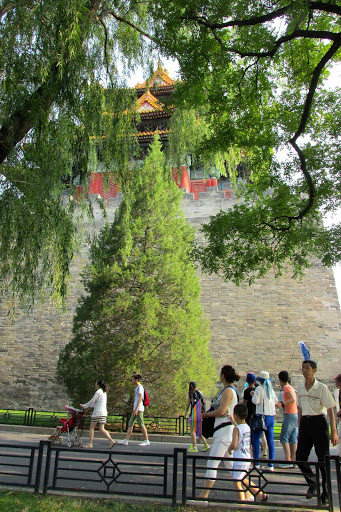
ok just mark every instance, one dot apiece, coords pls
pixel 314 401
pixel 137 415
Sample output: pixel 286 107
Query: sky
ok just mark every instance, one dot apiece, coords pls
pixel 334 80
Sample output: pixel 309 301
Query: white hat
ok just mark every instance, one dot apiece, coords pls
pixel 264 375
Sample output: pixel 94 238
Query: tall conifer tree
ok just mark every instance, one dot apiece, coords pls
pixel 142 312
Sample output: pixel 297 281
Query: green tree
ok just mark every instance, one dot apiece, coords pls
pixel 55 57
pixel 259 69
pixel 142 311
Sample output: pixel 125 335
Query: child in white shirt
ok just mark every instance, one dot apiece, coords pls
pixel 241 446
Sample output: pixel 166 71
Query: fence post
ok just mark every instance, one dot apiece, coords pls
pixel 30 416
pixel 177 452
pixel 184 476
pixel 47 467
pixel 329 483
pixel 175 476
pixel 181 425
pixel 39 465
pixel 337 461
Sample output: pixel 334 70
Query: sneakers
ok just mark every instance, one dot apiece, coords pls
pixel 192 449
pixel 122 441
pixel 252 498
pixel 145 443
pixel 286 466
pixel 268 468
pixel 206 447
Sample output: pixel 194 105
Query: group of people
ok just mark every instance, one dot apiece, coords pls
pixel 304 427
pixel 99 414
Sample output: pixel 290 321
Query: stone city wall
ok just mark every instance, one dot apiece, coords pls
pixel 253 328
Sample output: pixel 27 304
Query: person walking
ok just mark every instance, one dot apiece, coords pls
pixel 193 397
pixel 265 399
pixel 99 414
pixel 241 448
pixel 338 406
pixel 222 411
pixel 289 431
pixel 314 401
pixel 247 397
pixel 247 400
pixel 137 415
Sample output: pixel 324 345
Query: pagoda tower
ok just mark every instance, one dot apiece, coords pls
pixel 154 110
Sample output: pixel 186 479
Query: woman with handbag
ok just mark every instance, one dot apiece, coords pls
pixel 223 426
pixel 265 400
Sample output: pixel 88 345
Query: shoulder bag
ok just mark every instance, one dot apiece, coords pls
pixel 207 426
pixel 258 421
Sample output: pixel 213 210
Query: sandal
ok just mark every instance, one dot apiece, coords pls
pixel 89 446
pixel 112 444
pixel 265 497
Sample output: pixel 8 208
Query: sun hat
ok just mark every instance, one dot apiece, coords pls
pixel 264 375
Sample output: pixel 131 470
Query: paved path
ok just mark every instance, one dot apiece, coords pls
pixel 121 469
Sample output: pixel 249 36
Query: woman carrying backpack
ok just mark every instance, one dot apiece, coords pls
pixel 193 397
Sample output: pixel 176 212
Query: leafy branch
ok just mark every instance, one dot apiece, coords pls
pixel 297 33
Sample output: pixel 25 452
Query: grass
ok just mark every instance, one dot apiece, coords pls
pixel 14 501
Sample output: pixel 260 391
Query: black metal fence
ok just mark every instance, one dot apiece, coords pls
pixel 115 422
pixel 19 465
pixel 285 487
pixel 175 477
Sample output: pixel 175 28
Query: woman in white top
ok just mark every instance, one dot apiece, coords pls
pixel 99 414
pixel 223 413
pixel 265 399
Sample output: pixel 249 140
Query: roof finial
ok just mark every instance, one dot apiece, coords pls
pixel 159 66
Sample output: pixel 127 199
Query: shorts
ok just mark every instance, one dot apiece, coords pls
pixel 136 419
pixel 98 419
pixel 239 470
pixel 289 430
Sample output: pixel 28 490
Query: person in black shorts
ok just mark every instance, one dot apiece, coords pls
pixel 247 397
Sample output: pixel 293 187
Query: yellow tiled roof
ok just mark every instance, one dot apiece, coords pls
pixel 159 78
pixel 148 103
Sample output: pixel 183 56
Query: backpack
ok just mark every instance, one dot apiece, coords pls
pixel 198 396
pixel 146 400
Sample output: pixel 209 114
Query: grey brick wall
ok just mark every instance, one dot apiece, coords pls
pixel 253 328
